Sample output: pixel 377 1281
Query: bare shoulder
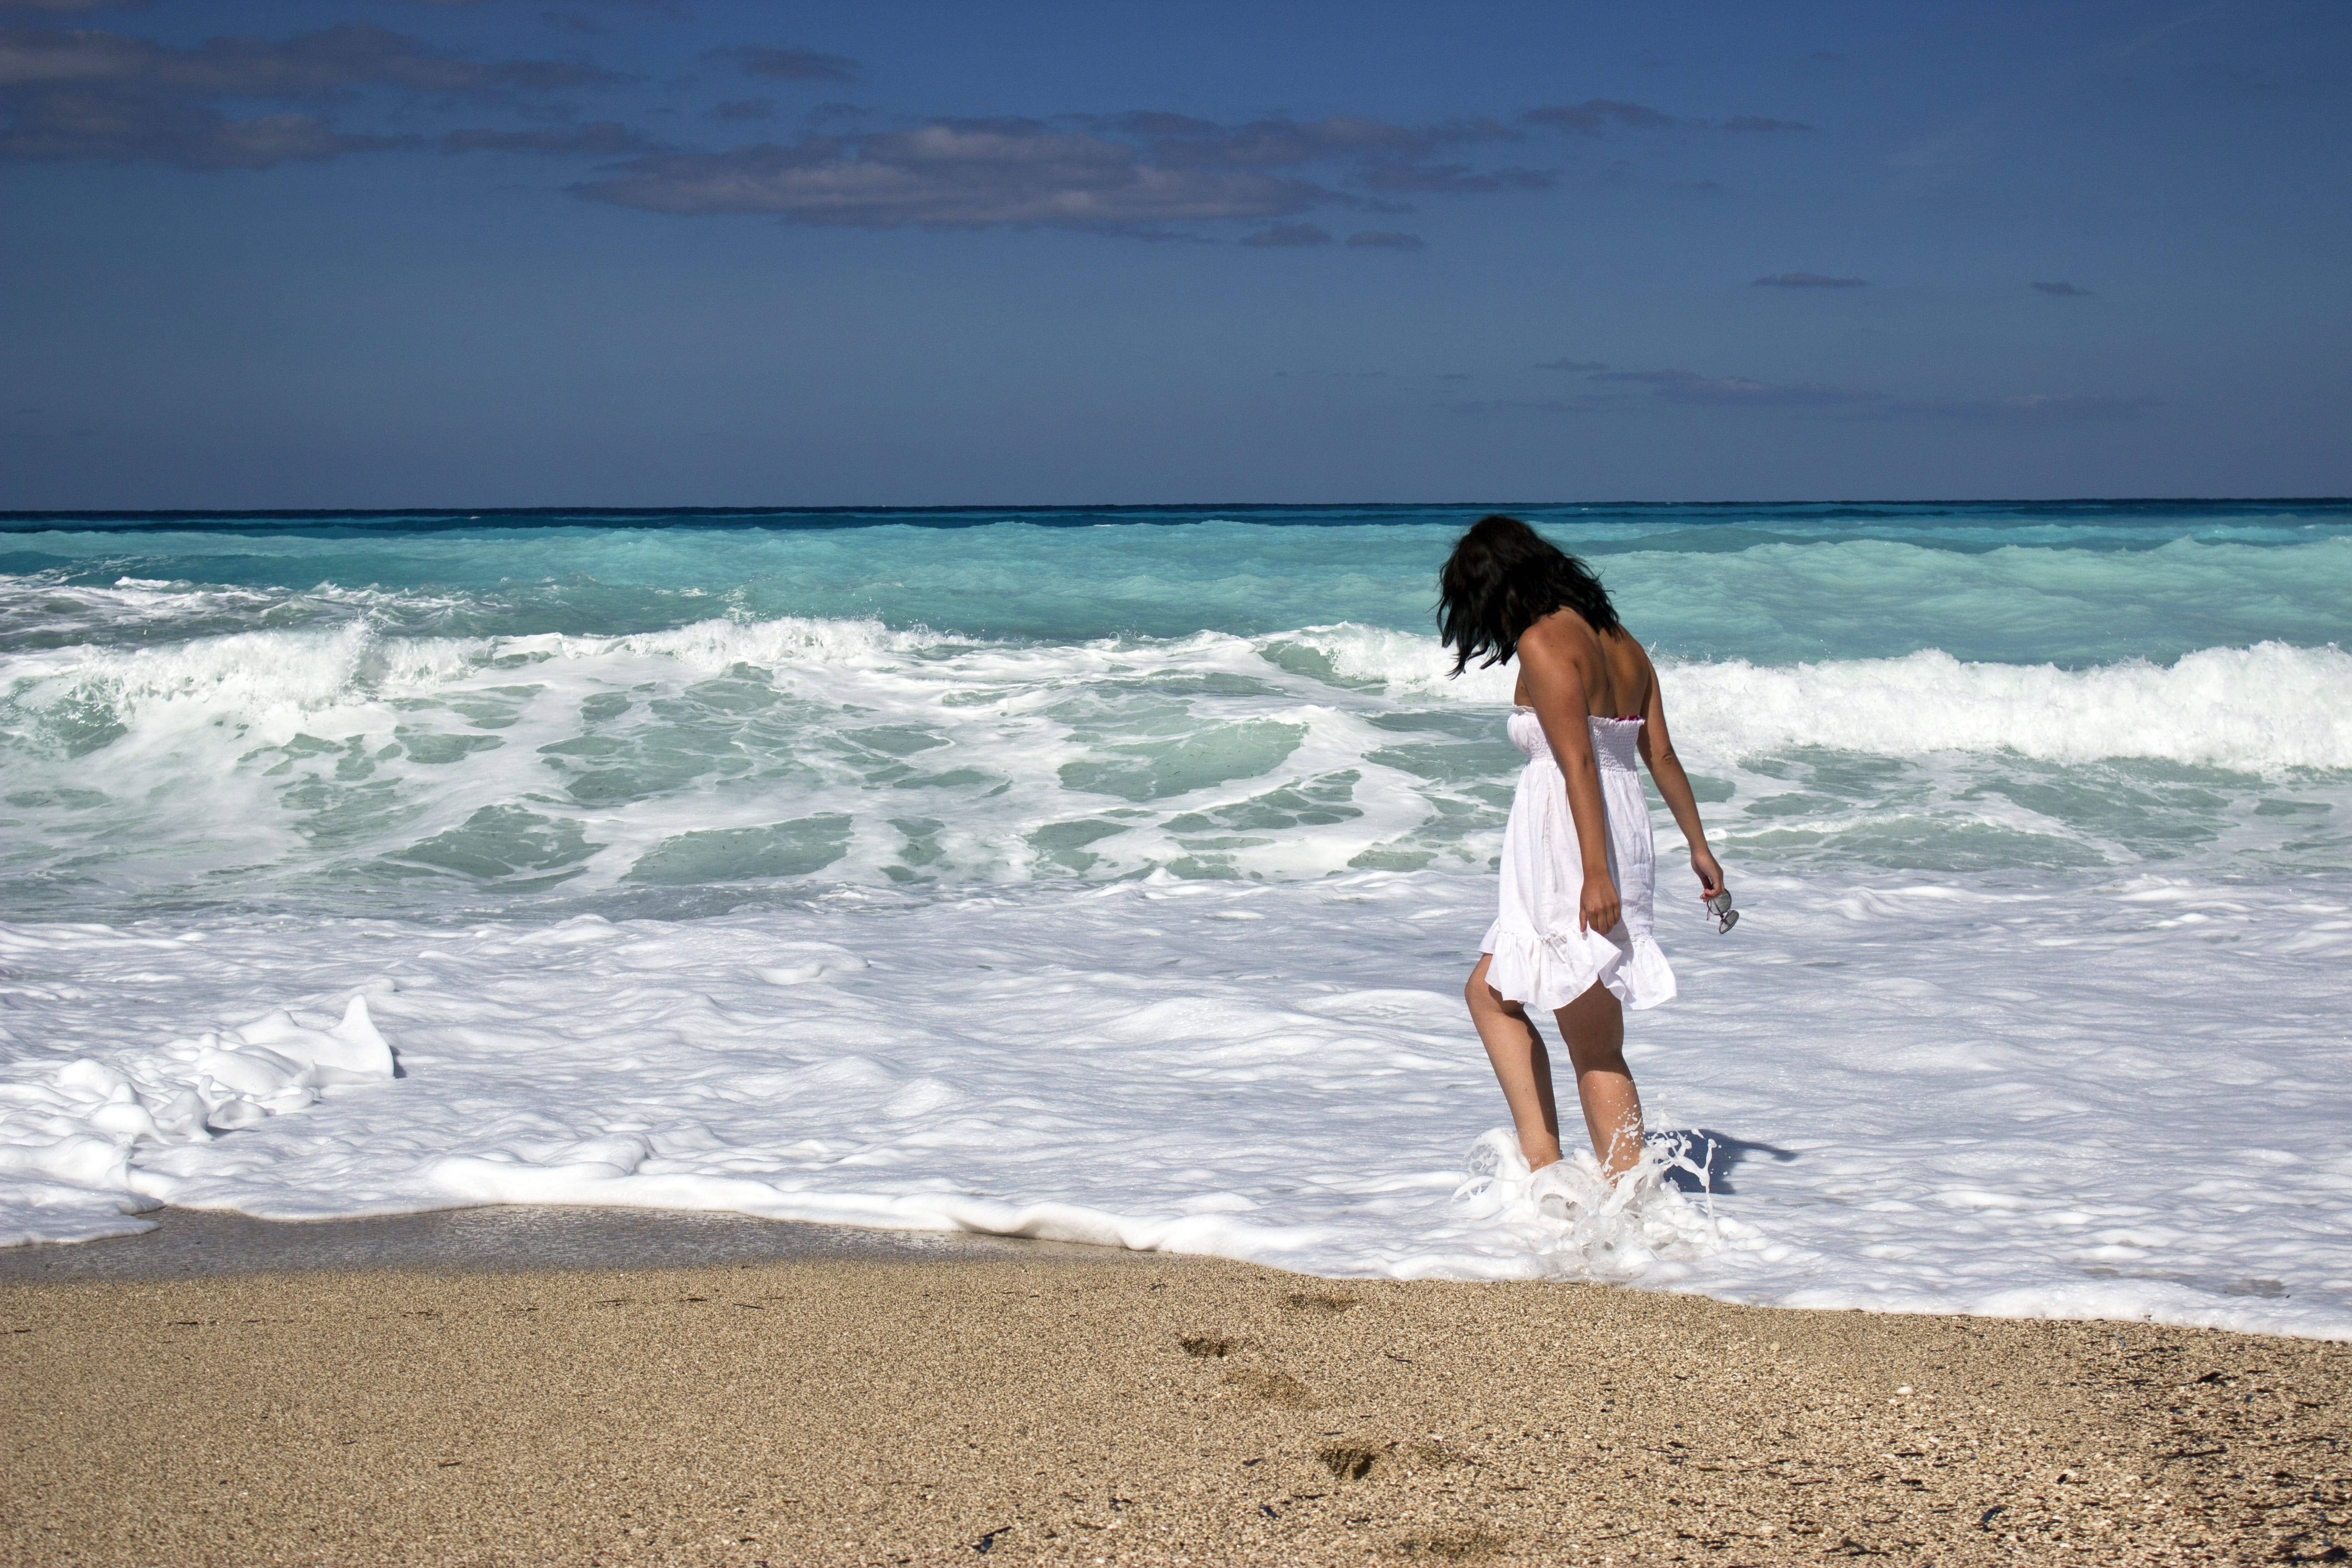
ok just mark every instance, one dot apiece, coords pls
pixel 1561 635
pixel 1636 656
pixel 1629 681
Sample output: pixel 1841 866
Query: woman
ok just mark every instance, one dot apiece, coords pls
pixel 1573 936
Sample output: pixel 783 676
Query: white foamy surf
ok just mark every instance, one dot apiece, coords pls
pixel 1922 1094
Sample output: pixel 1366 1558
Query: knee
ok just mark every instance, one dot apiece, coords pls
pixel 1484 998
pixel 1598 1057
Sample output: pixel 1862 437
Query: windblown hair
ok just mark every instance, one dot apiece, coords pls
pixel 1501 579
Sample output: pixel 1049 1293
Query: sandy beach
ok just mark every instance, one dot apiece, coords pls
pixel 1126 1408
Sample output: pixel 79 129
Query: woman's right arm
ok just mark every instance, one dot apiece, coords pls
pixel 1674 784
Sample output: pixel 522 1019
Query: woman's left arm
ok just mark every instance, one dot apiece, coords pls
pixel 1674 784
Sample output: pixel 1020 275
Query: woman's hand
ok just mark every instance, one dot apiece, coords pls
pixel 1597 909
pixel 1710 875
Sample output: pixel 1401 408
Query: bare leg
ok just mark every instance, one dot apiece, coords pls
pixel 1593 1028
pixel 1521 1065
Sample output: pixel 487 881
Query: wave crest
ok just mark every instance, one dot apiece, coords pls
pixel 737 750
pixel 2263 709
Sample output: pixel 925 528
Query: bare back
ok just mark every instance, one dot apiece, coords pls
pixel 1616 672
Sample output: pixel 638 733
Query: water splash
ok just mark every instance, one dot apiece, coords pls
pixel 1583 1224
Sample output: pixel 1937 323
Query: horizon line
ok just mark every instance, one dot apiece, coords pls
pixel 472 513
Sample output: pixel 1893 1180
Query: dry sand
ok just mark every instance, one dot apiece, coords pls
pixel 1138 1409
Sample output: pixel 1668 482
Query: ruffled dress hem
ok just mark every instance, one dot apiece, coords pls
pixel 1548 970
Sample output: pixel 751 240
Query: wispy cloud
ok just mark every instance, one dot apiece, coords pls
pixel 1115 174
pixel 1380 155
pixel 2030 409
pixel 1809 280
pixel 785 64
pixel 1290 236
pixel 951 174
pixel 73 94
pixel 1181 142
pixel 68 93
pixel 2064 290
pixel 1454 179
pixel 1528 405
pixel 1689 386
pixel 353 53
pixel 1571 364
pixel 2167 29
pixel 599 139
pixel 1598 116
pixel 1935 157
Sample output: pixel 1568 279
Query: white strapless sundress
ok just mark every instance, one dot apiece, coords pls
pixel 1541 960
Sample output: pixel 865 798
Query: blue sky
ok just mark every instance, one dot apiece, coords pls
pixel 380 253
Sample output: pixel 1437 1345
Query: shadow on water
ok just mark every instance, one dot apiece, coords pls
pixel 1715 1154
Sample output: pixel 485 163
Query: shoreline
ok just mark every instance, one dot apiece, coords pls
pixel 191 1244
pixel 1164 1409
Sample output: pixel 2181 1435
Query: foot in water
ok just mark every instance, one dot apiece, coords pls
pixel 1576 1221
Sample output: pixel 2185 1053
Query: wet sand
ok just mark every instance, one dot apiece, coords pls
pixel 1124 1408
pixel 499 1239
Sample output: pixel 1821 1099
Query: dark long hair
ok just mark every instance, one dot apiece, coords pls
pixel 1501 579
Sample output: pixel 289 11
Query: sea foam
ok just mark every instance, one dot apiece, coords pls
pixel 1929 1094
pixel 341 763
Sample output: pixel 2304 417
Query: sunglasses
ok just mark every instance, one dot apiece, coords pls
pixel 1720 910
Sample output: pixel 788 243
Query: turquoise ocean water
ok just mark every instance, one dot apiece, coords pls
pixel 455 714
